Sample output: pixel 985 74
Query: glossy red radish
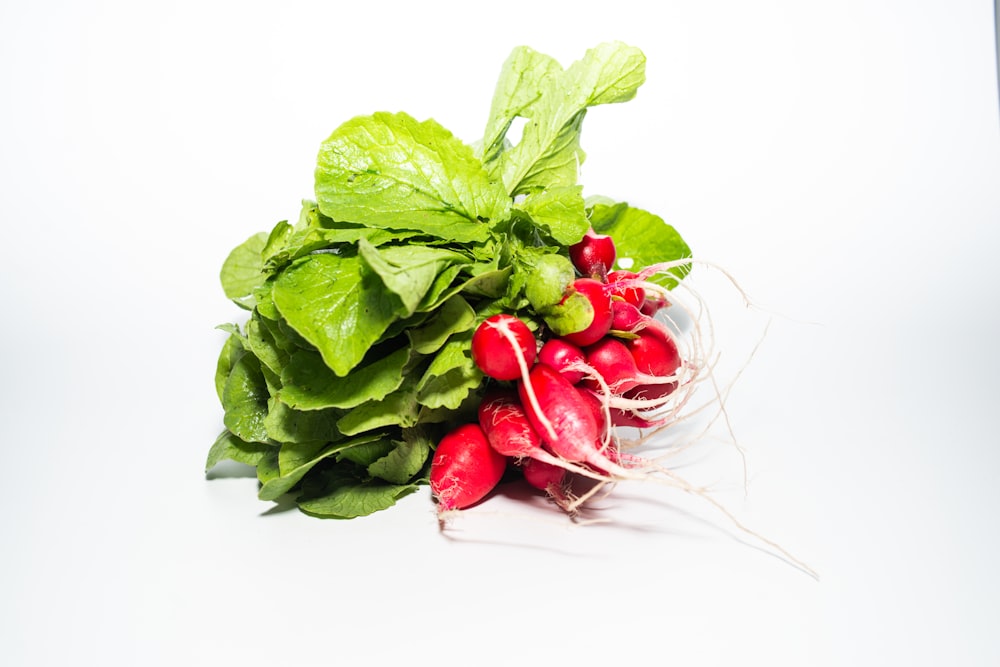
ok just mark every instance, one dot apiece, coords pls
pixel 654 351
pixel 500 343
pixel 594 255
pixel 564 357
pixel 600 301
pixel 625 316
pixel 545 476
pixel 464 468
pixel 626 285
pixel 507 429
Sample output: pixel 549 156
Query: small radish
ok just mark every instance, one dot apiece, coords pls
pixel 619 285
pixel 564 357
pixel 562 416
pixel 654 351
pixel 545 476
pixel 625 316
pixel 611 359
pixel 464 468
pixel 594 255
pixel 652 305
pixel 600 300
pixel 506 426
pixel 496 344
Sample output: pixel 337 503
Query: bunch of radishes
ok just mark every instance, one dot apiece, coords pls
pixel 553 402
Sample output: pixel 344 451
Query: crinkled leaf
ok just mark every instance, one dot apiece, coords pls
pixel 453 316
pixel 337 304
pixel 560 211
pixel 308 384
pixel 349 499
pixel 450 377
pixel 229 447
pixel 244 399
pixel 549 150
pixel 409 271
pixel 399 408
pixel 391 171
pixel 524 76
pixel 285 424
pixel 404 461
pixel 299 460
pixel 242 269
pixel 643 238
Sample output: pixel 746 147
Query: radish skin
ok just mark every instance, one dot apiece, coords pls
pixel 464 468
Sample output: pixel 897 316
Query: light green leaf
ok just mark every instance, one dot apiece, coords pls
pixel 409 271
pixel 524 76
pixel 399 408
pixel 450 377
pixel 299 459
pixel 549 153
pixel 337 304
pixel 560 211
pixel 242 270
pixel 349 500
pixel 453 316
pixel 288 425
pixel 404 461
pixel 391 171
pixel 244 399
pixel 229 447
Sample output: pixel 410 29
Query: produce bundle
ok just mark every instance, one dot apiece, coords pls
pixel 452 315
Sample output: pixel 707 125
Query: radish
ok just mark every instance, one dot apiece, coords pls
pixel 625 316
pixel 496 344
pixel 623 284
pixel 505 425
pixel 594 255
pixel 600 300
pixel 465 468
pixel 564 357
pixel 654 351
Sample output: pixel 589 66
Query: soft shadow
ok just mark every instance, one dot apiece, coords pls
pixel 231 470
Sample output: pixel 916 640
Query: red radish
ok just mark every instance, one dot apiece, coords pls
pixel 506 426
pixel 612 360
pixel 625 316
pixel 623 284
pixel 650 392
pixel 545 476
pixel 464 468
pixel 654 351
pixel 594 255
pixel 600 300
pixel 496 344
pixel 651 305
pixel 564 357
pixel 562 416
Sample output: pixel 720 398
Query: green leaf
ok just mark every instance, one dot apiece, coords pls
pixel 244 399
pixel 288 425
pixel 572 315
pixel 546 276
pixel 308 384
pixel 560 211
pixel 523 78
pixel 399 408
pixel 642 239
pixel 349 499
pixel 229 447
pixel 404 461
pixel 409 271
pixel 242 269
pixel 391 171
pixel 549 153
pixel 453 316
pixel 450 377
pixel 231 352
pixel 337 304
pixel 299 459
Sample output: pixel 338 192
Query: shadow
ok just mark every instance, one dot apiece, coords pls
pixel 231 470
pixel 282 505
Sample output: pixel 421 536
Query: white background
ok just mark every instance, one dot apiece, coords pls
pixel 842 160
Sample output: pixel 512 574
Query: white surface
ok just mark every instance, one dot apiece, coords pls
pixel 841 159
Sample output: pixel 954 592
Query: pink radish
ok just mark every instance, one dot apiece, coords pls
pixel 594 255
pixel 506 426
pixel 496 344
pixel 625 316
pixel 464 468
pixel 600 300
pixel 564 357
pixel 611 359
